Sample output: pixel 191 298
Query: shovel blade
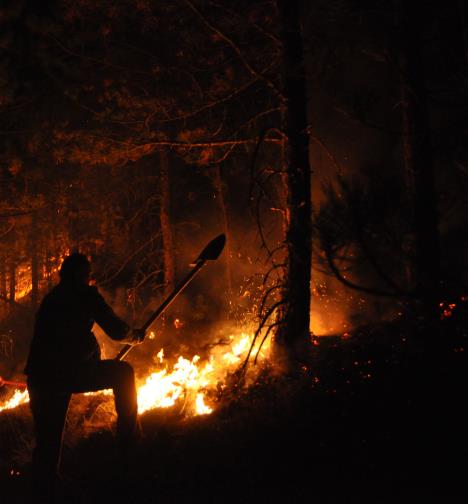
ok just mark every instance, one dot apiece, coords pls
pixel 213 250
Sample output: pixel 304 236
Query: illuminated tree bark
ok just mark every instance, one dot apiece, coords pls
pixel 48 269
pixel 3 278
pixel 294 331
pixel 12 281
pixel 34 263
pixel 418 160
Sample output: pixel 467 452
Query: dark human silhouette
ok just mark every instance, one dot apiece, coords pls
pixel 64 358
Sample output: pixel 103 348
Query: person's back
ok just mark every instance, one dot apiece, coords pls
pixel 63 338
pixel 62 334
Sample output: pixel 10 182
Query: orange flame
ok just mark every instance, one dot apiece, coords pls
pixel 188 379
pixel 20 396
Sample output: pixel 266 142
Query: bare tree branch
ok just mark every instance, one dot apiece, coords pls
pixel 236 49
pixel 352 285
pixel 264 320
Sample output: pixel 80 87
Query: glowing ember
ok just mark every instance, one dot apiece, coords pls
pixel 447 310
pixel 178 323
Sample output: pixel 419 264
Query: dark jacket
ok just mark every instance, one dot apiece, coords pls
pixel 62 339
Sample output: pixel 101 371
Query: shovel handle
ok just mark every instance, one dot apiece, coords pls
pixel 11 383
pixel 210 253
pixel 157 313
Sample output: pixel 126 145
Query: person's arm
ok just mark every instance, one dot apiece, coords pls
pixel 105 317
pixel 112 324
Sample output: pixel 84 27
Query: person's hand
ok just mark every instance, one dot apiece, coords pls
pixel 137 336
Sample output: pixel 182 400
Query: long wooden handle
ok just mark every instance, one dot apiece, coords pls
pixel 210 253
pixel 177 290
pixel 12 383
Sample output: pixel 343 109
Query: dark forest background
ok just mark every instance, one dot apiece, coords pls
pixel 135 131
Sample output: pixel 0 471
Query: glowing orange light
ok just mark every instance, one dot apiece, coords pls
pixel 178 323
pixel 187 381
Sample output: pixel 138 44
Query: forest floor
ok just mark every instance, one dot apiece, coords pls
pixel 382 421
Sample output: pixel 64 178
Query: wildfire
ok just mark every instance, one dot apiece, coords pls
pixel 191 379
pixel 20 396
pixel 23 275
pixel 186 382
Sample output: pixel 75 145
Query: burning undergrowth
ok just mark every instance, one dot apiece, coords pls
pixel 190 382
pixel 172 389
pixel 356 409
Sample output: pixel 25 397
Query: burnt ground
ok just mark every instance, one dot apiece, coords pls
pixel 384 423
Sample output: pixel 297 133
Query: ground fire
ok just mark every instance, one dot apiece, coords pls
pixel 187 380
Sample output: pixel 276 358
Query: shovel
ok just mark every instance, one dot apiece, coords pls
pixel 210 253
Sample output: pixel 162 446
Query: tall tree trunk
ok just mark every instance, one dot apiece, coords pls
pixel 283 182
pixel 34 263
pixel 3 278
pixel 464 28
pixel 166 227
pixel 418 160
pixel 3 286
pixel 12 281
pixel 218 186
pixel 294 332
pixel 48 269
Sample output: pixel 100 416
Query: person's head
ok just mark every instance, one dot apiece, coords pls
pixel 75 269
